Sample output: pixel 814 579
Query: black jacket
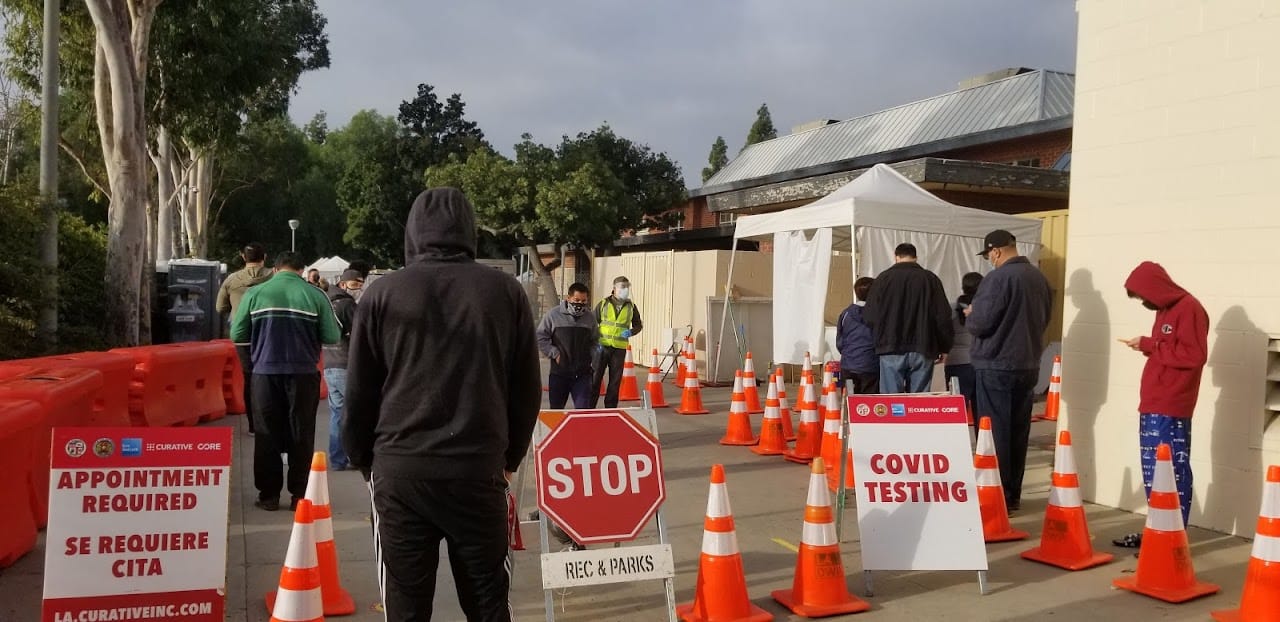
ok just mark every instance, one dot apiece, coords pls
pixel 1008 317
pixel 908 312
pixel 344 309
pixel 442 381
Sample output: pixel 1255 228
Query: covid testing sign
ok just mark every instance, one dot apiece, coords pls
pixel 917 501
pixel 137 524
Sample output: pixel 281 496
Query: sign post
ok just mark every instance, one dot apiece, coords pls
pixel 137 524
pixel 917 500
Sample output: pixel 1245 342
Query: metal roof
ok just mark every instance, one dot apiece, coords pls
pixel 1017 100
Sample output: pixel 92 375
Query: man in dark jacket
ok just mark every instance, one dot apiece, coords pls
pixel 230 293
pixel 567 336
pixel 619 320
pixel 1176 354
pixel 343 298
pixel 911 320
pixel 858 360
pixel 1007 319
pixel 443 391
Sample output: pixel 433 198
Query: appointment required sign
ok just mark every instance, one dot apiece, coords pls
pixel 917 501
pixel 137 524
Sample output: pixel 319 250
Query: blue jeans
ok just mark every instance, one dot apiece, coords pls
pixel 336 378
pixel 1176 433
pixel 905 373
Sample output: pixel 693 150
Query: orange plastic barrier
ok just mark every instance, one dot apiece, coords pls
pixel 66 398
pixel 19 421
pixel 112 400
pixel 324 386
pixel 232 379
pixel 177 384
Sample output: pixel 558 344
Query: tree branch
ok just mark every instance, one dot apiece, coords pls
pixel 70 151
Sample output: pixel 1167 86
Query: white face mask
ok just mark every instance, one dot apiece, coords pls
pixel 623 293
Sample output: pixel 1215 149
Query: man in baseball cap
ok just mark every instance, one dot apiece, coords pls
pixel 998 239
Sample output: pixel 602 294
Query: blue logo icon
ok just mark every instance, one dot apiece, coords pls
pixel 899 410
pixel 130 447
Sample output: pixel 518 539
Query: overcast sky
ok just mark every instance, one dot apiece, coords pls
pixel 673 74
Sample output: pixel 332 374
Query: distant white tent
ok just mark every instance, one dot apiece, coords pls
pixel 330 267
pixel 866 218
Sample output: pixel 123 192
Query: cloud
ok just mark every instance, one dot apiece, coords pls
pixel 673 74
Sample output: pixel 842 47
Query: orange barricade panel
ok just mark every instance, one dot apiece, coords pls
pixel 324 386
pixel 112 401
pixel 19 421
pixel 232 380
pixel 177 384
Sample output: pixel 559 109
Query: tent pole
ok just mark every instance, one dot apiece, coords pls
pixel 724 312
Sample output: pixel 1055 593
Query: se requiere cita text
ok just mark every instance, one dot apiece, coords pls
pixel 139 544
pixel 914 491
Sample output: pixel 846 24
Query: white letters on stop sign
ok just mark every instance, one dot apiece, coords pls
pixel 617 475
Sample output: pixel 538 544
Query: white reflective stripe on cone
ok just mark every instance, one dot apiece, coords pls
pixel 323 529
pixel 818 534
pixel 1267 549
pixel 738 406
pixel 318 488
pixel 690 381
pixel 1270 502
pixel 1064 460
pixel 302 548
pixel 718 502
pixel 1055 386
pixel 652 377
pixel 721 544
pixel 1162 481
pixel 818 496
pixel 1065 497
pixel 809 415
pixel 988 477
pixel 986 444
pixel 831 426
pixel 295 606
pixel 1164 520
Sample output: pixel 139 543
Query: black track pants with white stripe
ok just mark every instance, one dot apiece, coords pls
pixel 412 516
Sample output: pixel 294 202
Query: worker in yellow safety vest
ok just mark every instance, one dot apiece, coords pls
pixel 619 320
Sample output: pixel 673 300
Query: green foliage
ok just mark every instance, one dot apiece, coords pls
pixel 762 129
pixel 718 158
pixel 82 262
pixel 434 131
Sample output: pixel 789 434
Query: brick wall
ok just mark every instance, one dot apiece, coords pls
pixel 1046 148
pixel 1003 203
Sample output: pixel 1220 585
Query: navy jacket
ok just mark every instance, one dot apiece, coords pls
pixel 856 343
pixel 1010 313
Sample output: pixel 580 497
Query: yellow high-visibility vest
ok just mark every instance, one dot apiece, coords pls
pixel 613 322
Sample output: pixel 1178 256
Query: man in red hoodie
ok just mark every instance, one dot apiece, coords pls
pixel 1176 353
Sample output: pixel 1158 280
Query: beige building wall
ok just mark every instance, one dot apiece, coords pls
pixel 1177 160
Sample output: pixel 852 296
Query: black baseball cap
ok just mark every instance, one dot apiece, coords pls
pixel 997 239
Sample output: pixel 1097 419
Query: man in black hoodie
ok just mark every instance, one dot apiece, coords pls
pixel 908 313
pixel 443 391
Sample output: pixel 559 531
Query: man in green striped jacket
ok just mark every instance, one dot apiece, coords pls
pixel 619 320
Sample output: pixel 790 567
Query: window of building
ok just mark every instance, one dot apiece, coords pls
pixel 678 225
pixel 1027 162
pixel 727 218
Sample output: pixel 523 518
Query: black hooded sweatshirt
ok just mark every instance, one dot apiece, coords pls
pixel 442 378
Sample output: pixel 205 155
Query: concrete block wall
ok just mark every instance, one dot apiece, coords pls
pixel 1176 160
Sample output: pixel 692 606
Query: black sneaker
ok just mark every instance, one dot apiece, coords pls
pixel 1013 506
pixel 1130 541
pixel 270 505
pixel 293 504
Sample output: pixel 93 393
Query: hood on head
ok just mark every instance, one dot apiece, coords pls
pixel 1151 282
pixel 441 225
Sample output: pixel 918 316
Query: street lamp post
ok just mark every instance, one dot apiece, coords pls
pixel 293 234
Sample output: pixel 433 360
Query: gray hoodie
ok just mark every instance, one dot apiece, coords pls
pixel 571 339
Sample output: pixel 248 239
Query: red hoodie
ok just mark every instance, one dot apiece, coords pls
pixel 1178 346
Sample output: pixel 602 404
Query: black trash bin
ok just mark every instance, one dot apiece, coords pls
pixel 186 319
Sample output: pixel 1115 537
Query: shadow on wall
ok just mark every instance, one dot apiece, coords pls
pixel 1237 365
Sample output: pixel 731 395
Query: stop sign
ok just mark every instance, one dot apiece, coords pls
pixel 600 476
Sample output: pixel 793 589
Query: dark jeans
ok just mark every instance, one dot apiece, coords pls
pixel 285 409
pixel 1006 397
pixel 246 366
pixel 964 374
pixel 560 387
pixel 611 359
pixel 412 516
pixel 864 383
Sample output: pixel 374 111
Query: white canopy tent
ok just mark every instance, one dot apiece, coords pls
pixel 330 267
pixel 866 218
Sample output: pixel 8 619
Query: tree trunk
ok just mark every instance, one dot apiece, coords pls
pixel 165 184
pixel 203 195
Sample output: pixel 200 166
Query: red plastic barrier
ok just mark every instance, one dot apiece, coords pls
pixel 324 386
pixel 177 384
pixel 232 379
pixel 66 398
pixel 9 369
pixel 117 372
pixel 19 421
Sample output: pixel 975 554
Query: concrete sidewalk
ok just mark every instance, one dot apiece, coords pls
pixel 768 500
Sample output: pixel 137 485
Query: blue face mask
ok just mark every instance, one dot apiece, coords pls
pixel 624 293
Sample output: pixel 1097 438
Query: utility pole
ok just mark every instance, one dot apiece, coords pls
pixel 47 323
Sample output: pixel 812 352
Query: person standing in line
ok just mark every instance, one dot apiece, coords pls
pixel 343 298
pixel 230 294
pixel 286 321
pixel 313 277
pixel 567 336
pixel 958 362
pixel 1176 352
pixel 858 360
pixel 443 391
pixel 911 321
pixel 1007 319
pixel 619 320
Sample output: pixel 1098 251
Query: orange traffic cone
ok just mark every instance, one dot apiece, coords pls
pixel 1064 540
pixel 739 429
pixel 1053 403
pixel 819 589
pixel 680 366
pixel 691 400
pixel 832 440
pixel 807 369
pixel 772 440
pixel 298 598
pixel 337 601
pixel 784 408
pixel 630 389
pixel 721 592
pixel 749 387
pixel 654 385
pixel 995 515
pixel 809 436
pixel 1164 560
pixel 1261 599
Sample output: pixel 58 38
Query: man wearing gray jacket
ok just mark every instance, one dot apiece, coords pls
pixel 567 335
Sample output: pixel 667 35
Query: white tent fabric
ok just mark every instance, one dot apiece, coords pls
pixel 872 214
pixel 801 268
pixel 330 267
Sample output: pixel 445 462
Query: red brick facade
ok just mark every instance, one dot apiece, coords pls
pixel 1044 149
